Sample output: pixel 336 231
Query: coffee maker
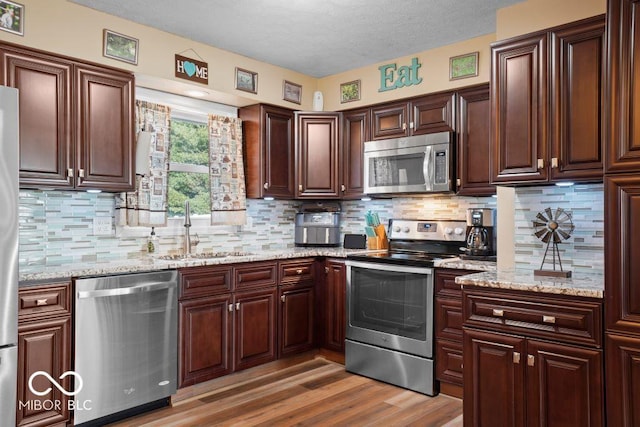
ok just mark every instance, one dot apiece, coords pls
pixel 481 235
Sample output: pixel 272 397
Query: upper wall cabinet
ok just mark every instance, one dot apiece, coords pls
pixel 546 104
pixel 623 148
pixel 427 114
pixel 355 133
pixel 318 155
pixel 269 147
pixel 76 121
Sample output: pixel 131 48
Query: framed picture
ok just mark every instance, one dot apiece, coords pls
pixel 463 66
pixel 291 92
pixel 350 91
pixel 246 80
pixel 120 47
pixel 12 17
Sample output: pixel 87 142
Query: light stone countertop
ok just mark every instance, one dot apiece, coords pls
pixel 464 264
pixel 524 280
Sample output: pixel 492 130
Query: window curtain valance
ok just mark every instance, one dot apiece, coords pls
pixel 228 193
pixel 147 205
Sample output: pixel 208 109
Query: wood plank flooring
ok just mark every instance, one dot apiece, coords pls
pixel 315 392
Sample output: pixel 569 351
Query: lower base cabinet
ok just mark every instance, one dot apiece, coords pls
pixel 623 377
pixel 297 319
pixel 334 313
pixel 255 328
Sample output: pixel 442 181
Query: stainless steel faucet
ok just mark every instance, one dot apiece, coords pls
pixel 187 225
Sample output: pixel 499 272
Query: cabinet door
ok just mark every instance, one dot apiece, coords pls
pixel 474 142
pixel 518 109
pixel 296 320
pixel 622 252
pixel 623 377
pixel 44 346
pixel 104 99
pixel 390 121
pixel 433 113
pixel 449 362
pixel 278 152
pixel 46 144
pixel 319 157
pixel 255 328
pixel 335 306
pixel 564 385
pixel 205 339
pixel 356 132
pixel 493 379
pixel 577 97
pixel 622 151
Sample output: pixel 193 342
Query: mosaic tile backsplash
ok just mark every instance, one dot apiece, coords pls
pixel 56 227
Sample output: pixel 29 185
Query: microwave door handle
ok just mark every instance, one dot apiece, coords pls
pixel 427 168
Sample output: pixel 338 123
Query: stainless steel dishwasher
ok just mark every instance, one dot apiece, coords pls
pixel 126 345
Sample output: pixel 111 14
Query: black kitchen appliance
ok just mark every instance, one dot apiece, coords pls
pixel 480 235
pixel 390 303
pixel 318 224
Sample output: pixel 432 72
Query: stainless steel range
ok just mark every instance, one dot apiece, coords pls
pixel 390 303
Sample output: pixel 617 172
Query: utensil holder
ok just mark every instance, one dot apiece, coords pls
pixel 380 241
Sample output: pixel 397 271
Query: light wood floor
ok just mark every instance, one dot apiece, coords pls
pixel 313 392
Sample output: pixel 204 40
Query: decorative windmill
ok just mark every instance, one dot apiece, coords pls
pixel 553 228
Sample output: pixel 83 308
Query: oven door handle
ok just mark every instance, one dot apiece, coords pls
pixel 390 267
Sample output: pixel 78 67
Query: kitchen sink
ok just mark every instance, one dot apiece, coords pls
pixel 202 255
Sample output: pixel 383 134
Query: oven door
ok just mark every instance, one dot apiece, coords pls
pixel 390 306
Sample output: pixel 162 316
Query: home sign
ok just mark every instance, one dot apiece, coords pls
pixel 394 77
pixel 192 69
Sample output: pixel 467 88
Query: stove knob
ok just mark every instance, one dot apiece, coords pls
pixel 458 231
pixel 405 229
pixel 396 228
pixel 448 230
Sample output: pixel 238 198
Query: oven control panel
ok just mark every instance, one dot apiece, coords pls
pixel 411 229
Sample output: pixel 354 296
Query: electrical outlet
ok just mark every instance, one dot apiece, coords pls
pixel 102 226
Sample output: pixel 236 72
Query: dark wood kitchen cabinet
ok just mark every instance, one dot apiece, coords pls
pixel 547 105
pixel 44 344
pixel 474 142
pixel 318 155
pixel 427 114
pixel 269 151
pixel 335 300
pixel 531 359
pixel 76 121
pixel 255 327
pixel 296 291
pixel 356 128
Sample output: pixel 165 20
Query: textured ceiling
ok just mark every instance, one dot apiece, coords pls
pixel 315 37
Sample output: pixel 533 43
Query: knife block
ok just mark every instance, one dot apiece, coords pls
pixel 380 241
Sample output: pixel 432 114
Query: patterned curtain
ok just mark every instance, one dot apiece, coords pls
pixel 228 195
pixel 147 205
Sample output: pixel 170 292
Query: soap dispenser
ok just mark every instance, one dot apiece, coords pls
pixel 152 241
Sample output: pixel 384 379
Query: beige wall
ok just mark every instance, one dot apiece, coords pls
pixel 69 29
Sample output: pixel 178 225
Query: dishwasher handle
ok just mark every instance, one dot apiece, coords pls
pixel 138 289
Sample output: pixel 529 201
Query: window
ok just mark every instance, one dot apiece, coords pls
pixel 189 168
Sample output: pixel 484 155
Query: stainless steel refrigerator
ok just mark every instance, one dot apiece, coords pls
pixel 8 254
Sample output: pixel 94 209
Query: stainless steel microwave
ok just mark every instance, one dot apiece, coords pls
pixel 415 164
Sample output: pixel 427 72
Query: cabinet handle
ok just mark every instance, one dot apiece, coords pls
pixel 343 188
pixel 531 360
pixel 458 182
pixel 266 185
pixel 41 302
pixel 326 270
pixel 299 271
pixel 404 126
pixel 410 125
pixel 554 162
pixel 498 313
pixel 548 319
pixel 230 308
pixel 300 187
pixel 516 357
pixel 237 306
pixel 283 298
pixel 540 163
pixel 80 173
pixel 69 174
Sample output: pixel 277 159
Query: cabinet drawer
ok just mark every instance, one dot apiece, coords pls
pixel 449 362
pixel 203 281
pixel 449 319
pixel 256 274
pixel 297 271
pixel 445 282
pixel 557 318
pixel 44 301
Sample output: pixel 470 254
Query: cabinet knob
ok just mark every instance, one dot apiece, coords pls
pixel 404 126
pixel 300 187
pixel 326 270
pixel 498 313
pixel 299 271
pixel 410 125
pixel 554 162
pixel 266 185
pixel 343 188
pixel 548 319
pixel 69 173
pixel 41 302
pixel 458 182
pixel 237 306
pixel 516 357
pixel 80 173
pixel 531 360
pixel 540 163
pixel 230 308
pixel 283 298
